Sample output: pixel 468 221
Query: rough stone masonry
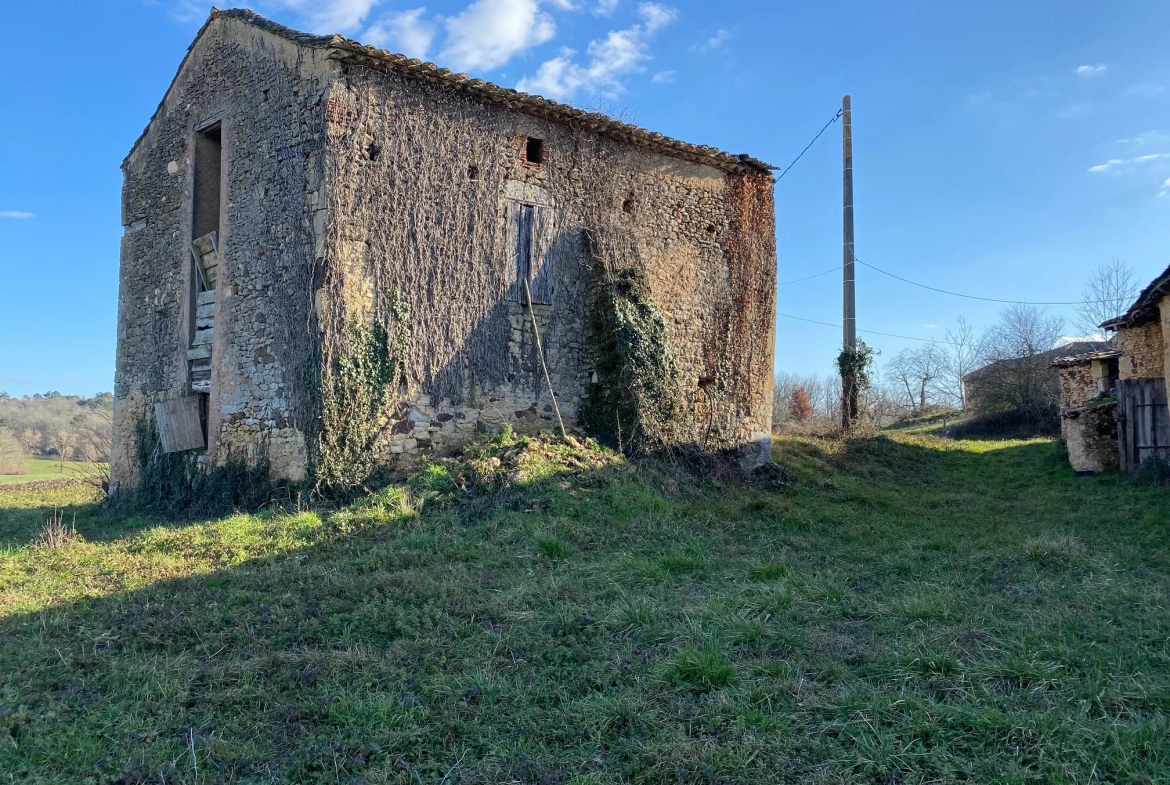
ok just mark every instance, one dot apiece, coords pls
pixel 333 253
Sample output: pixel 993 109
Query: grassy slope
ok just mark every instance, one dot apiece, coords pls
pixel 908 610
pixel 38 469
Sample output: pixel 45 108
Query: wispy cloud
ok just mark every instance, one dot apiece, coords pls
pixel 1091 70
pixel 329 16
pixel 930 326
pixel 18 214
pixel 714 42
pixel 619 54
pixel 489 33
pixel 1144 90
pixel 1145 138
pixel 405 32
pixel 663 77
pixel 1116 162
pixel 605 7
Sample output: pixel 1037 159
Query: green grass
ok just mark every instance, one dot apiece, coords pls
pixel 38 469
pixel 908 610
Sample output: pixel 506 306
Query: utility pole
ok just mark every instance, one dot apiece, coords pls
pixel 849 301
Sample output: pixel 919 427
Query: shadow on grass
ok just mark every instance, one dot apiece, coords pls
pixel 536 631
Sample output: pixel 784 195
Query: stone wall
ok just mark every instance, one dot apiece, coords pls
pixel 1142 351
pixel 705 237
pixel 1077 385
pixel 268 94
pixel 1091 437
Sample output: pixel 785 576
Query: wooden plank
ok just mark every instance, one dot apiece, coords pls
pixel 205 298
pixel 179 424
pixel 206 244
pixel 203 336
pixel 199 352
pixel 204 322
pixel 542 256
pixel 205 311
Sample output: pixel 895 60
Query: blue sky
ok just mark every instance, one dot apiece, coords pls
pixel 1001 148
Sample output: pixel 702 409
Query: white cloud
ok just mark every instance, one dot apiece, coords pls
pixel 1115 162
pixel 1091 70
pixel 605 7
pixel 715 42
pixel 1167 183
pixel 16 214
pixel 656 16
pixel 330 16
pixel 663 77
pixel 620 53
pixel 931 326
pixel 405 32
pixel 488 33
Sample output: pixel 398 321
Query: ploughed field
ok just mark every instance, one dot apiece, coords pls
pixel 905 610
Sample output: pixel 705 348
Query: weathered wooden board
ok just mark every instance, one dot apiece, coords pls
pixel 203 336
pixel 205 311
pixel 1143 422
pixel 199 352
pixel 179 425
pixel 205 298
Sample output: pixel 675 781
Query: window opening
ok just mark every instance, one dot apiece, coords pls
pixel 205 263
pixel 534 151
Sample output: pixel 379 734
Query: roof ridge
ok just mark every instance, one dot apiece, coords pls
pixel 539 106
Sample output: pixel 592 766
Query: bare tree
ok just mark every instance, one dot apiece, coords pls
pixel 918 372
pixel 30 439
pixel 63 441
pixel 1016 377
pixel 1108 292
pixel 11 453
pixel 962 357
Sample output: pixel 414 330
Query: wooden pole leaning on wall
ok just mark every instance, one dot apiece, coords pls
pixel 848 295
pixel 540 352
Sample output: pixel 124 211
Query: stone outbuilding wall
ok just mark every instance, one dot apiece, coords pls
pixel 1088 410
pixel 377 221
pixel 1143 351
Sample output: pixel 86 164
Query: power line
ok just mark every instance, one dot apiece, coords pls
pixel 872 332
pixel 787 169
pixel 809 278
pixel 977 297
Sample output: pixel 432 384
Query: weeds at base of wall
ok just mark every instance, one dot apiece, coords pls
pixel 175 486
pixel 635 404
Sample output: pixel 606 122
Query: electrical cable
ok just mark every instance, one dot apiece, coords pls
pixel 977 297
pixel 809 278
pixel 872 332
pixel 835 118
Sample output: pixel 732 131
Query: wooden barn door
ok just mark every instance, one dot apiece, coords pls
pixel 1143 422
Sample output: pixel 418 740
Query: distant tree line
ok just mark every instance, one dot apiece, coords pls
pixel 52 425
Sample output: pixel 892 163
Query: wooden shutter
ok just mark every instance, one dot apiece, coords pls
pixel 541 266
pixel 180 425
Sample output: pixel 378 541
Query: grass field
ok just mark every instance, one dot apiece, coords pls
pixel 38 469
pixel 907 610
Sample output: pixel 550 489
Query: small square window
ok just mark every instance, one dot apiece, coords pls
pixel 534 151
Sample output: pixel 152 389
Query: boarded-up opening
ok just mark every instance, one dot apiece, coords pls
pixel 208 171
pixel 528 258
pixel 205 255
pixel 180 424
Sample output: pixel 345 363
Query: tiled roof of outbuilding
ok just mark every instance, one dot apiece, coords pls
pixel 1086 357
pixel 347 49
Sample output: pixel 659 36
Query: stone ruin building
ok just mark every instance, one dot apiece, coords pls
pixel 339 258
pixel 1114 410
